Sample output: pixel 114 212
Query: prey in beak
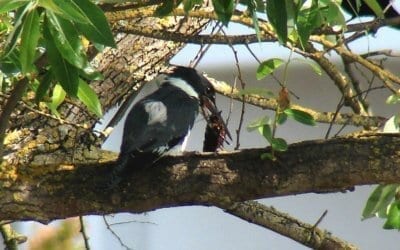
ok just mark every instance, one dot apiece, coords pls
pixel 216 131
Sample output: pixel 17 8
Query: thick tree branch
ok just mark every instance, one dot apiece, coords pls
pixel 198 179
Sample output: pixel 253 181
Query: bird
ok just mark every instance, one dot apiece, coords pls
pixel 162 121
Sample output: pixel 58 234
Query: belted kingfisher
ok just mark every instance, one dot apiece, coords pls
pixel 163 120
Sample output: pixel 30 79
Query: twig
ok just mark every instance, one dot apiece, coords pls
pixel 204 48
pixel 355 82
pixel 84 234
pixel 131 221
pixel 319 220
pixel 338 108
pixel 384 52
pixel 8 108
pixel 115 234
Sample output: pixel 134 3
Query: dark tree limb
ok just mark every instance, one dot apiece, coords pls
pixel 197 179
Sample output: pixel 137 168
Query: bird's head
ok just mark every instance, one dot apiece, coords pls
pixel 199 87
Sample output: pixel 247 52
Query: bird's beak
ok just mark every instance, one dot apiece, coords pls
pixel 214 119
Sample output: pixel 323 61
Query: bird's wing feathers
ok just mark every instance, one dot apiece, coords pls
pixel 162 127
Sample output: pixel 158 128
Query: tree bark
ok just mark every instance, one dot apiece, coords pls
pixel 44 192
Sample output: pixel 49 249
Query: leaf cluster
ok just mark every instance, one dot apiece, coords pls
pixel 58 31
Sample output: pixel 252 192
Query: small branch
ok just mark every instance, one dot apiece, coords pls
pixel 194 39
pixel 320 219
pixel 356 83
pixel 338 78
pixel 84 234
pixel 385 52
pixel 108 225
pixel 243 86
pixel 286 225
pixel 8 108
pixel 11 238
pixel 322 117
pixel 384 75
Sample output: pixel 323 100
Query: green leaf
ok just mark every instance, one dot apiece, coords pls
pixel 258 123
pixel 292 10
pixel 266 131
pixel 331 13
pixel 224 10
pixel 314 66
pixel 165 8
pixel 66 39
pixel 393 99
pixel 63 71
pixel 44 86
pixel 378 201
pixel 300 116
pixel 58 96
pixel 87 95
pixel 267 67
pixel 282 117
pixel 277 16
pixel 96 29
pixel 307 21
pixel 265 156
pixel 375 7
pixel 279 144
pixel 11 63
pixel 29 40
pixel 17 30
pixel 256 26
pixel 7 5
pixel 66 9
pixel 252 9
pixel 393 219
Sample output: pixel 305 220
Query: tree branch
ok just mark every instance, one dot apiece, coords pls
pixel 11 238
pixel 9 107
pixel 198 179
pixel 323 117
pixel 306 234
